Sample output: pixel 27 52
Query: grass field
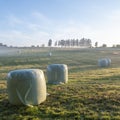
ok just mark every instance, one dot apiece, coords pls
pixel 92 93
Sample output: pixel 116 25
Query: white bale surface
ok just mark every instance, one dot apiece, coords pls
pixel 50 54
pixel 109 61
pixel 26 86
pixel 104 62
pixel 57 73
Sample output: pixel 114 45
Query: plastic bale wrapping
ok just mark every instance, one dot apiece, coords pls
pixel 26 87
pixel 104 62
pixel 57 73
pixel 109 61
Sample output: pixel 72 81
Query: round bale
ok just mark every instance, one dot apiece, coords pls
pixel 50 54
pixel 57 73
pixel 104 62
pixel 26 87
pixel 109 61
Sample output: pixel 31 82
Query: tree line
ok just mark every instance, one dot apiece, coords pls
pixel 84 42
pixel 2 45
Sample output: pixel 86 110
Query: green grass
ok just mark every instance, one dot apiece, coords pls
pixel 92 93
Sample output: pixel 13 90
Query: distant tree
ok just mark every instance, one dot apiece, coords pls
pixel 1 44
pixel 33 46
pixel 82 42
pixel 56 43
pixel 67 43
pixel 11 46
pixel 85 42
pixel 59 43
pixel 118 46
pixel 37 46
pixel 43 45
pixel 62 43
pixel 96 44
pixel 72 42
pixel 50 42
pixel 104 45
pixel 5 45
pixel 88 42
pixel 114 46
pixel 77 42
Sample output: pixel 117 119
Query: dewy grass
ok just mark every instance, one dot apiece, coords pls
pixel 92 93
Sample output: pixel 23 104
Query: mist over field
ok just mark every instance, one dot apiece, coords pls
pixel 5 51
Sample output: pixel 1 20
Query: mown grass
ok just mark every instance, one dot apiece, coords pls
pixel 92 93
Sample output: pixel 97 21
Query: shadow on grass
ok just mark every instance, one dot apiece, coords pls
pixel 13 112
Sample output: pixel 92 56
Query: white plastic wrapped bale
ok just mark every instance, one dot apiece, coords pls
pixel 50 54
pixel 26 86
pixel 109 61
pixel 104 62
pixel 57 73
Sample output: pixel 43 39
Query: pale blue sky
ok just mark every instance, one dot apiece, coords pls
pixel 34 22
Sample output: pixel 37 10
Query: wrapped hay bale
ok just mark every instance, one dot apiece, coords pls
pixel 26 86
pixel 50 54
pixel 109 61
pixel 104 62
pixel 57 73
